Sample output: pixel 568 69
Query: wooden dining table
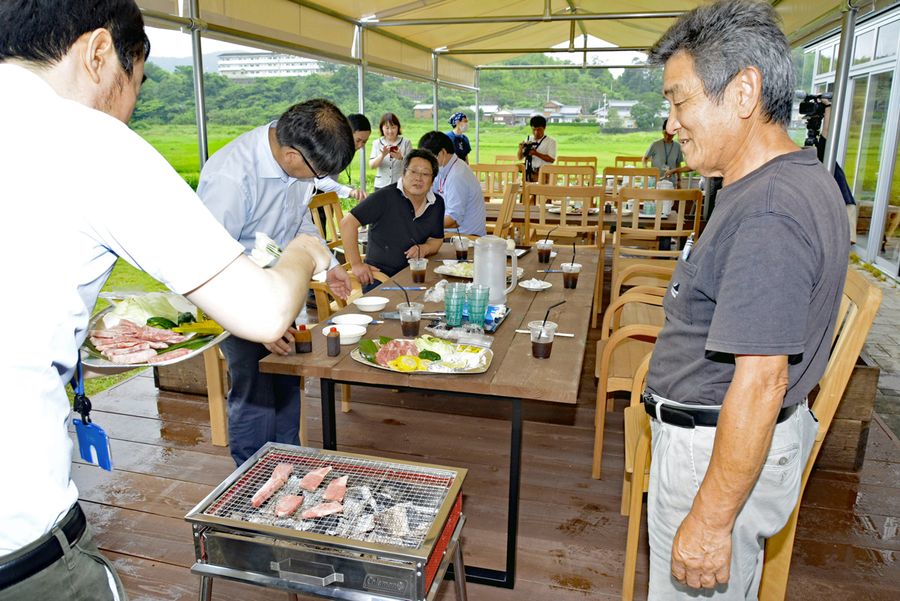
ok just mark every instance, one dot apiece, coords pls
pixel 513 375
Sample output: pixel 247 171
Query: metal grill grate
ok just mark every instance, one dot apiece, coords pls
pixel 385 503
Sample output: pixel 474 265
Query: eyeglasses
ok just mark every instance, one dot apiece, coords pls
pixel 422 174
pixel 315 173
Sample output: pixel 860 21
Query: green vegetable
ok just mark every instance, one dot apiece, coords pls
pixel 382 340
pixel 161 322
pixel 193 344
pixel 139 309
pixel 429 356
pixel 186 317
pixel 368 349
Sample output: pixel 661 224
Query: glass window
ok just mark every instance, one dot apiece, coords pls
pixel 890 240
pixel 873 133
pixel 887 39
pixel 864 48
pixel 854 129
pixel 825 60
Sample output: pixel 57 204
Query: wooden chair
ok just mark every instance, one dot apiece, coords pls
pixel 630 161
pixel 620 351
pixel 567 175
pixel 636 237
pixel 575 227
pixel 652 277
pixel 326 304
pixel 331 227
pixel 577 161
pixel 216 370
pixel 616 178
pixel 507 158
pixel 857 313
pixel 505 216
pixel 494 178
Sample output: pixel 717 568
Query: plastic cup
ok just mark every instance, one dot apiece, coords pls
pixel 477 299
pixel 454 301
pixel 541 338
pixel 570 274
pixel 461 246
pixel 544 247
pixel 410 317
pixel 418 268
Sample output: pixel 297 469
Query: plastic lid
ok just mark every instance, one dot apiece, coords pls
pixel 333 331
pixel 302 327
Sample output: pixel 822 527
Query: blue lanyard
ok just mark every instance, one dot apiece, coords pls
pixel 82 404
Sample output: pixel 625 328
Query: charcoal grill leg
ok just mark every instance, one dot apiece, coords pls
pixel 205 588
pixel 459 572
pixel 329 428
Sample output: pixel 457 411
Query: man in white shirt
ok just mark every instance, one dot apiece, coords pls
pixel 262 181
pixel 70 84
pixel 458 185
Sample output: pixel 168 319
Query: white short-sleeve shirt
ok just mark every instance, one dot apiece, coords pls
pixel 79 189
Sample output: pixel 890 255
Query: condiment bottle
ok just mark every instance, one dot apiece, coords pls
pixel 333 342
pixel 302 339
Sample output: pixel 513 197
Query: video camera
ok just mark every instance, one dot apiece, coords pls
pixel 812 107
pixel 530 171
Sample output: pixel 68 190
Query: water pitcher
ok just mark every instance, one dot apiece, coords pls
pixel 490 267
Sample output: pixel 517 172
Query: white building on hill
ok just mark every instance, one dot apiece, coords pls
pixel 244 65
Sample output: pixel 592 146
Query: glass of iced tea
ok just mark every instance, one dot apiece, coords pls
pixel 542 333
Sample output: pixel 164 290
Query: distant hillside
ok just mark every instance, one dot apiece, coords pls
pixel 210 62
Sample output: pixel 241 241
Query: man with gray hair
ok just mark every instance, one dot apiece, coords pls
pixel 750 310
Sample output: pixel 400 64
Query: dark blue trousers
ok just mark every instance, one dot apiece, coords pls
pixel 261 407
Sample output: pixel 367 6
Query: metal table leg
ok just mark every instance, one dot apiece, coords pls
pixel 459 568
pixel 205 588
pixel 489 577
pixel 329 427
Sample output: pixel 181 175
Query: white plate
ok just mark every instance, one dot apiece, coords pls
pixel 467 270
pixel 370 304
pixel 541 285
pixel 350 333
pixel 356 319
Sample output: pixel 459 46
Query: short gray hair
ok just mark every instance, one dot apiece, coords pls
pixel 729 35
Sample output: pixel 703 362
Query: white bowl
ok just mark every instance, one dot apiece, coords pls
pixel 356 319
pixel 350 334
pixel 370 304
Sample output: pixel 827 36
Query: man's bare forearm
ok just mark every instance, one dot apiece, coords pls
pixel 743 438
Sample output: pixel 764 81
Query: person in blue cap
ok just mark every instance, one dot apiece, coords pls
pixel 460 124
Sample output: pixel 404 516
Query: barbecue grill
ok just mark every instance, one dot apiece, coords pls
pixel 397 534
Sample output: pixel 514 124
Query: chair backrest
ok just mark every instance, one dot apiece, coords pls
pixel 327 303
pixel 494 177
pixel 633 308
pixel 859 305
pixel 629 161
pixel 505 215
pixel 567 175
pixel 639 276
pixel 572 212
pixel 616 178
pixel 331 206
pixel 578 161
pixel 507 158
pixel 643 212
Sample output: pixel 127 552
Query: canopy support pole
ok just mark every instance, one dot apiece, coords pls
pixel 434 74
pixel 477 114
pixel 199 93
pixel 848 28
pixel 361 95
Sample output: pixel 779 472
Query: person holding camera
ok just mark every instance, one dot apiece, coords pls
pixel 388 152
pixel 537 149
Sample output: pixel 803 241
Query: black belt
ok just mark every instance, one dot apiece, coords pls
pixel 44 554
pixel 699 416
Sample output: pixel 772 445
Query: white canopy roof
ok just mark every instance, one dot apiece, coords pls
pixel 403 36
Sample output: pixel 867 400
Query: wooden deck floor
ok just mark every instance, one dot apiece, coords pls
pixel 572 538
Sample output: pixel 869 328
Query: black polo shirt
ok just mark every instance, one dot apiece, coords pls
pixel 393 227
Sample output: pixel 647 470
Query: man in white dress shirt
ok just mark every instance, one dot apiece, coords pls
pixel 70 73
pixel 262 181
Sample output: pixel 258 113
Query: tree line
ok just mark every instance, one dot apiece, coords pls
pixel 168 97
